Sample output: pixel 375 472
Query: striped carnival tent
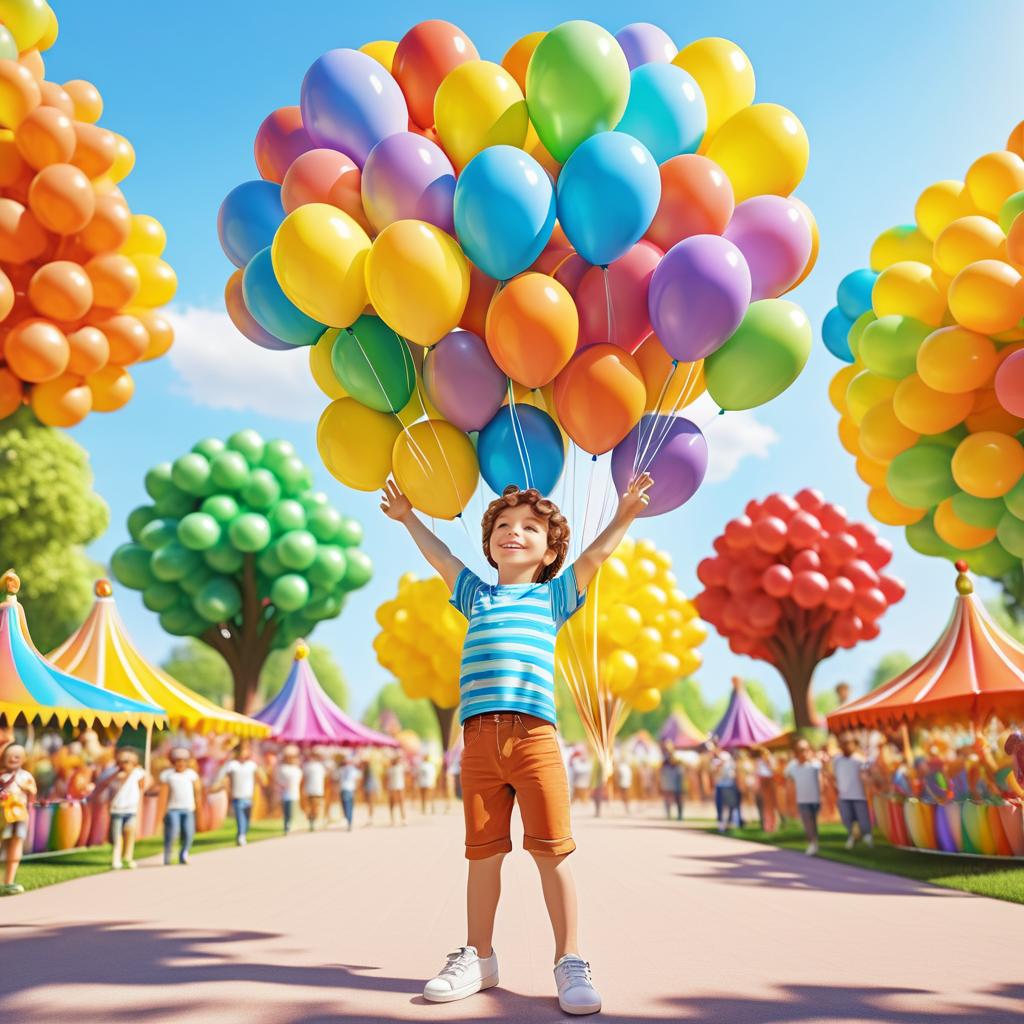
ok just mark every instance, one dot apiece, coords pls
pixel 680 731
pixel 743 724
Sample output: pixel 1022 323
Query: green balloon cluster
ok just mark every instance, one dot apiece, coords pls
pixel 224 502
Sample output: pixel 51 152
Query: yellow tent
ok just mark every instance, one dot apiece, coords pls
pixel 102 653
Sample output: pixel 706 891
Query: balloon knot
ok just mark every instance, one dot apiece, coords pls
pixel 593 458
pixel 721 412
pixel 675 363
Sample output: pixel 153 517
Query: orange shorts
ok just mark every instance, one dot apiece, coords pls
pixel 509 757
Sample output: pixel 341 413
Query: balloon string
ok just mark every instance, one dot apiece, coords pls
pixel 609 311
pixel 665 427
pixel 639 454
pixel 524 455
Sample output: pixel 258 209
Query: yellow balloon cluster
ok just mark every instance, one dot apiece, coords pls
pixel 927 406
pixel 421 638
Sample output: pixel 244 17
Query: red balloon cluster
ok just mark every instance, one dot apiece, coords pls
pixel 793 579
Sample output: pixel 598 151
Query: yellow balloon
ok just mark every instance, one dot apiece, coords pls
pixel 898 244
pixel 953 360
pixel 124 160
pixel 49 36
pixel 921 408
pixel 624 622
pixel 987 297
pixel 988 464
pixel 886 509
pixel 479 104
pixel 614 577
pixel 158 280
pixel 26 20
pixel 849 435
pixel 356 443
pixel 650 599
pixel 838 385
pixel 724 74
pixel 321 369
pixel 146 236
pixel 993 178
pixel 539 152
pixel 382 51
pixel 953 530
pixel 646 700
pixel 866 390
pixel 418 280
pixel 965 240
pixel 763 149
pixel 883 436
pixel 689 662
pixel 941 204
pixel 620 671
pixel 435 466
pixel 319 254
pixel 908 288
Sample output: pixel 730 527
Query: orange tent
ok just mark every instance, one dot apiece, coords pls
pixel 975 670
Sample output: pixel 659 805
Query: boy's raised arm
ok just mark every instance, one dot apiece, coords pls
pixel 605 543
pixel 395 505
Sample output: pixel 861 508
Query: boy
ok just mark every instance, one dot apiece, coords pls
pixel 848 770
pixel 125 791
pixel 17 787
pixel 507 712
pixel 241 774
pixel 805 772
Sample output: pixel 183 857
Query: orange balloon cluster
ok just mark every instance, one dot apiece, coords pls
pixel 81 276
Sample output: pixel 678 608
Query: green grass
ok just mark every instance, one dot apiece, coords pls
pixel 982 877
pixel 94 860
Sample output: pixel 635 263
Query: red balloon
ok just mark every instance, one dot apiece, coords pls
pixel 777 581
pixel 279 140
pixel 879 554
pixel 696 199
pixel 707 572
pixel 864 534
pixel 841 593
pixel 743 579
pixel 894 589
pixel 711 603
pixel 810 499
pixel 781 505
pixel 424 56
pixel 809 589
pixel 757 558
pixel 807 560
pixel 870 604
pixel 840 547
pixel 832 517
pixel 764 612
pixel 734 616
pixel 753 509
pixel 804 530
pixel 570 271
pixel 870 630
pixel 739 532
pixel 620 289
pixel 770 534
pixel 1009 383
pixel 860 574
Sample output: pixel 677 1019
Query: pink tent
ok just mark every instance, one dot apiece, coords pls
pixel 303 713
pixel 743 725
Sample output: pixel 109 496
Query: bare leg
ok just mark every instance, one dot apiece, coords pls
pixel 482 893
pixel 14 848
pixel 560 897
pixel 129 842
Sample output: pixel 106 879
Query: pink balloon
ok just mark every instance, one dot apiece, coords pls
pixel 775 239
pixel 570 271
pixel 280 139
pixel 622 287
pixel 1010 383
pixel 777 581
pixel 325 176
pixel 809 589
pixel 243 320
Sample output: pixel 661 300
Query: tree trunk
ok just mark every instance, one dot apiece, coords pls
pixel 797 654
pixel 445 717
pixel 798 681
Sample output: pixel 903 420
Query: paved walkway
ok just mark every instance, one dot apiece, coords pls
pixel 679 925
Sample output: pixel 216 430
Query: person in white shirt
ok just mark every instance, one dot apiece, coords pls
pixel 426 781
pixel 849 769
pixel 314 778
pixel 289 782
pixel 17 787
pixel 727 792
pixel 182 791
pixel 124 790
pixel 623 779
pixel 805 772
pixel 396 787
pixel 348 776
pixel 240 774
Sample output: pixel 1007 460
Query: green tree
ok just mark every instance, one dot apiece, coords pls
pixel 48 512
pixel 238 551
pixel 417 715
pixel 889 666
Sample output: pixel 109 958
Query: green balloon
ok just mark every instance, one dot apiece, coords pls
pixel 8 47
pixel 229 471
pixel 211 447
pixel 921 536
pixel 889 346
pixel 374 365
pixel 158 479
pixel 949 438
pixel 276 452
pixel 195 581
pixel 290 592
pixel 219 600
pixel 296 549
pixel 288 514
pixel 295 477
pixel 222 507
pixel 249 444
pixel 1010 533
pixel 577 84
pixel 312 500
pixel 139 518
pixel 158 532
pixel 224 558
pixel 1011 209
pixel 175 502
pixel 922 476
pixel 191 473
pixel 326 607
pixel 262 490
pixel 1014 499
pixel 991 560
pixel 269 564
pixel 199 531
pixel 160 597
pixel 351 533
pixel 324 523
pixel 250 532
pixel 359 569
pixel 329 566
pixel 174 562
pixel 762 358
pixel 984 513
pixel 856 331
pixel 130 564
pixel 182 621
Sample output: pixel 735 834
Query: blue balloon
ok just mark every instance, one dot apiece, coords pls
pixel 608 193
pixel 248 219
pixel 854 292
pixel 666 111
pixel 834 332
pixel 504 210
pixel 272 309
pixel 521 446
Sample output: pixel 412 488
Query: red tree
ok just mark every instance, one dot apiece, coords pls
pixel 792 581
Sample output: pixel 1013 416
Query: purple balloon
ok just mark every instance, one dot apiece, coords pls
pixel 672 450
pixel 408 177
pixel 644 43
pixel 775 240
pixel 463 381
pixel 349 102
pixel 699 293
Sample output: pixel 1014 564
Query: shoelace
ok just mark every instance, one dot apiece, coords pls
pixel 576 970
pixel 457 962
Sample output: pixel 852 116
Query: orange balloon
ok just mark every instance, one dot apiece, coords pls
pixel 86 98
pixel 669 387
pixel 22 238
pixel 425 54
pixel 532 329
pixel 115 280
pixel 109 228
pixel 600 396
pixel 33 60
pixel 36 350
pixel 966 240
pixel 886 509
pixel 987 297
pixel 45 136
pixel 882 435
pixel 325 176
pixel 61 290
pixel 849 435
pixel 62 198
pixel 95 149
pixel 696 199
pixel 988 464
pixel 160 331
pixel 953 530
pixel 62 402
pixel 481 292
pixel 13 169
pixel 871 471
pixel 126 335
pixel 6 295
pixel 921 408
pixel 89 351
pixel 19 93
pixel 953 360
pixel 989 415
pixel 1015 243
pixel 159 281
pixel 111 388
pixel 54 95
pixel 839 384
pixel 11 393
pixel 1015 143
pixel 517 58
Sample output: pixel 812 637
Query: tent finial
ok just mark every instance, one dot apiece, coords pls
pixel 10 583
pixel 964 586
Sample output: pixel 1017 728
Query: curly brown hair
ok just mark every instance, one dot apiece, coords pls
pixel 543 508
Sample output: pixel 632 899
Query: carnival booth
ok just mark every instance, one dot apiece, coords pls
pixel 743 724
pixel 680 731
pixel 972 678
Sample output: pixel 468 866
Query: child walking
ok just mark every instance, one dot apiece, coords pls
pixel 348 778
pixel 848 769
pixel 17 786
pixel 805 772
pixel 289 781
pixel 396 787
pixel 125 790
pixel 314 784
pixel 183 791
pixel 507 712
pixel 241 774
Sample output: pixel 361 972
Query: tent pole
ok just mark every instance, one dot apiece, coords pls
pixel 908 751
pixel 149 747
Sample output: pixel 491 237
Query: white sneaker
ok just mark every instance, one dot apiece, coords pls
pixel 576 992
pixel 463 974
pixel 116 865
pixel 869 841
pixel 130 865
pixel 242 840
pixel 851 839
pixel 812 849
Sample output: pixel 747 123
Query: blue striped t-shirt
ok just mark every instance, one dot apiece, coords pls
pixel 508 659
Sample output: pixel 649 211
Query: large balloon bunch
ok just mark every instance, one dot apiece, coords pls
pixel 81 278
pixel 932 401
pixel 602 222
pixel 634 638
pixel 791 581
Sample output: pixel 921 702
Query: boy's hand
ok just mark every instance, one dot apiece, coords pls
pixel 635 499
pixel 394 504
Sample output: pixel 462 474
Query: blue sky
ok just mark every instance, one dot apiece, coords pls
pixel 893 97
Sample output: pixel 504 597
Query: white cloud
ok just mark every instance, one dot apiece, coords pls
pixel 219 368
pixel 731 438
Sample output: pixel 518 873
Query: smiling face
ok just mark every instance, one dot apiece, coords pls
pixel 14 757
pixel 519 544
